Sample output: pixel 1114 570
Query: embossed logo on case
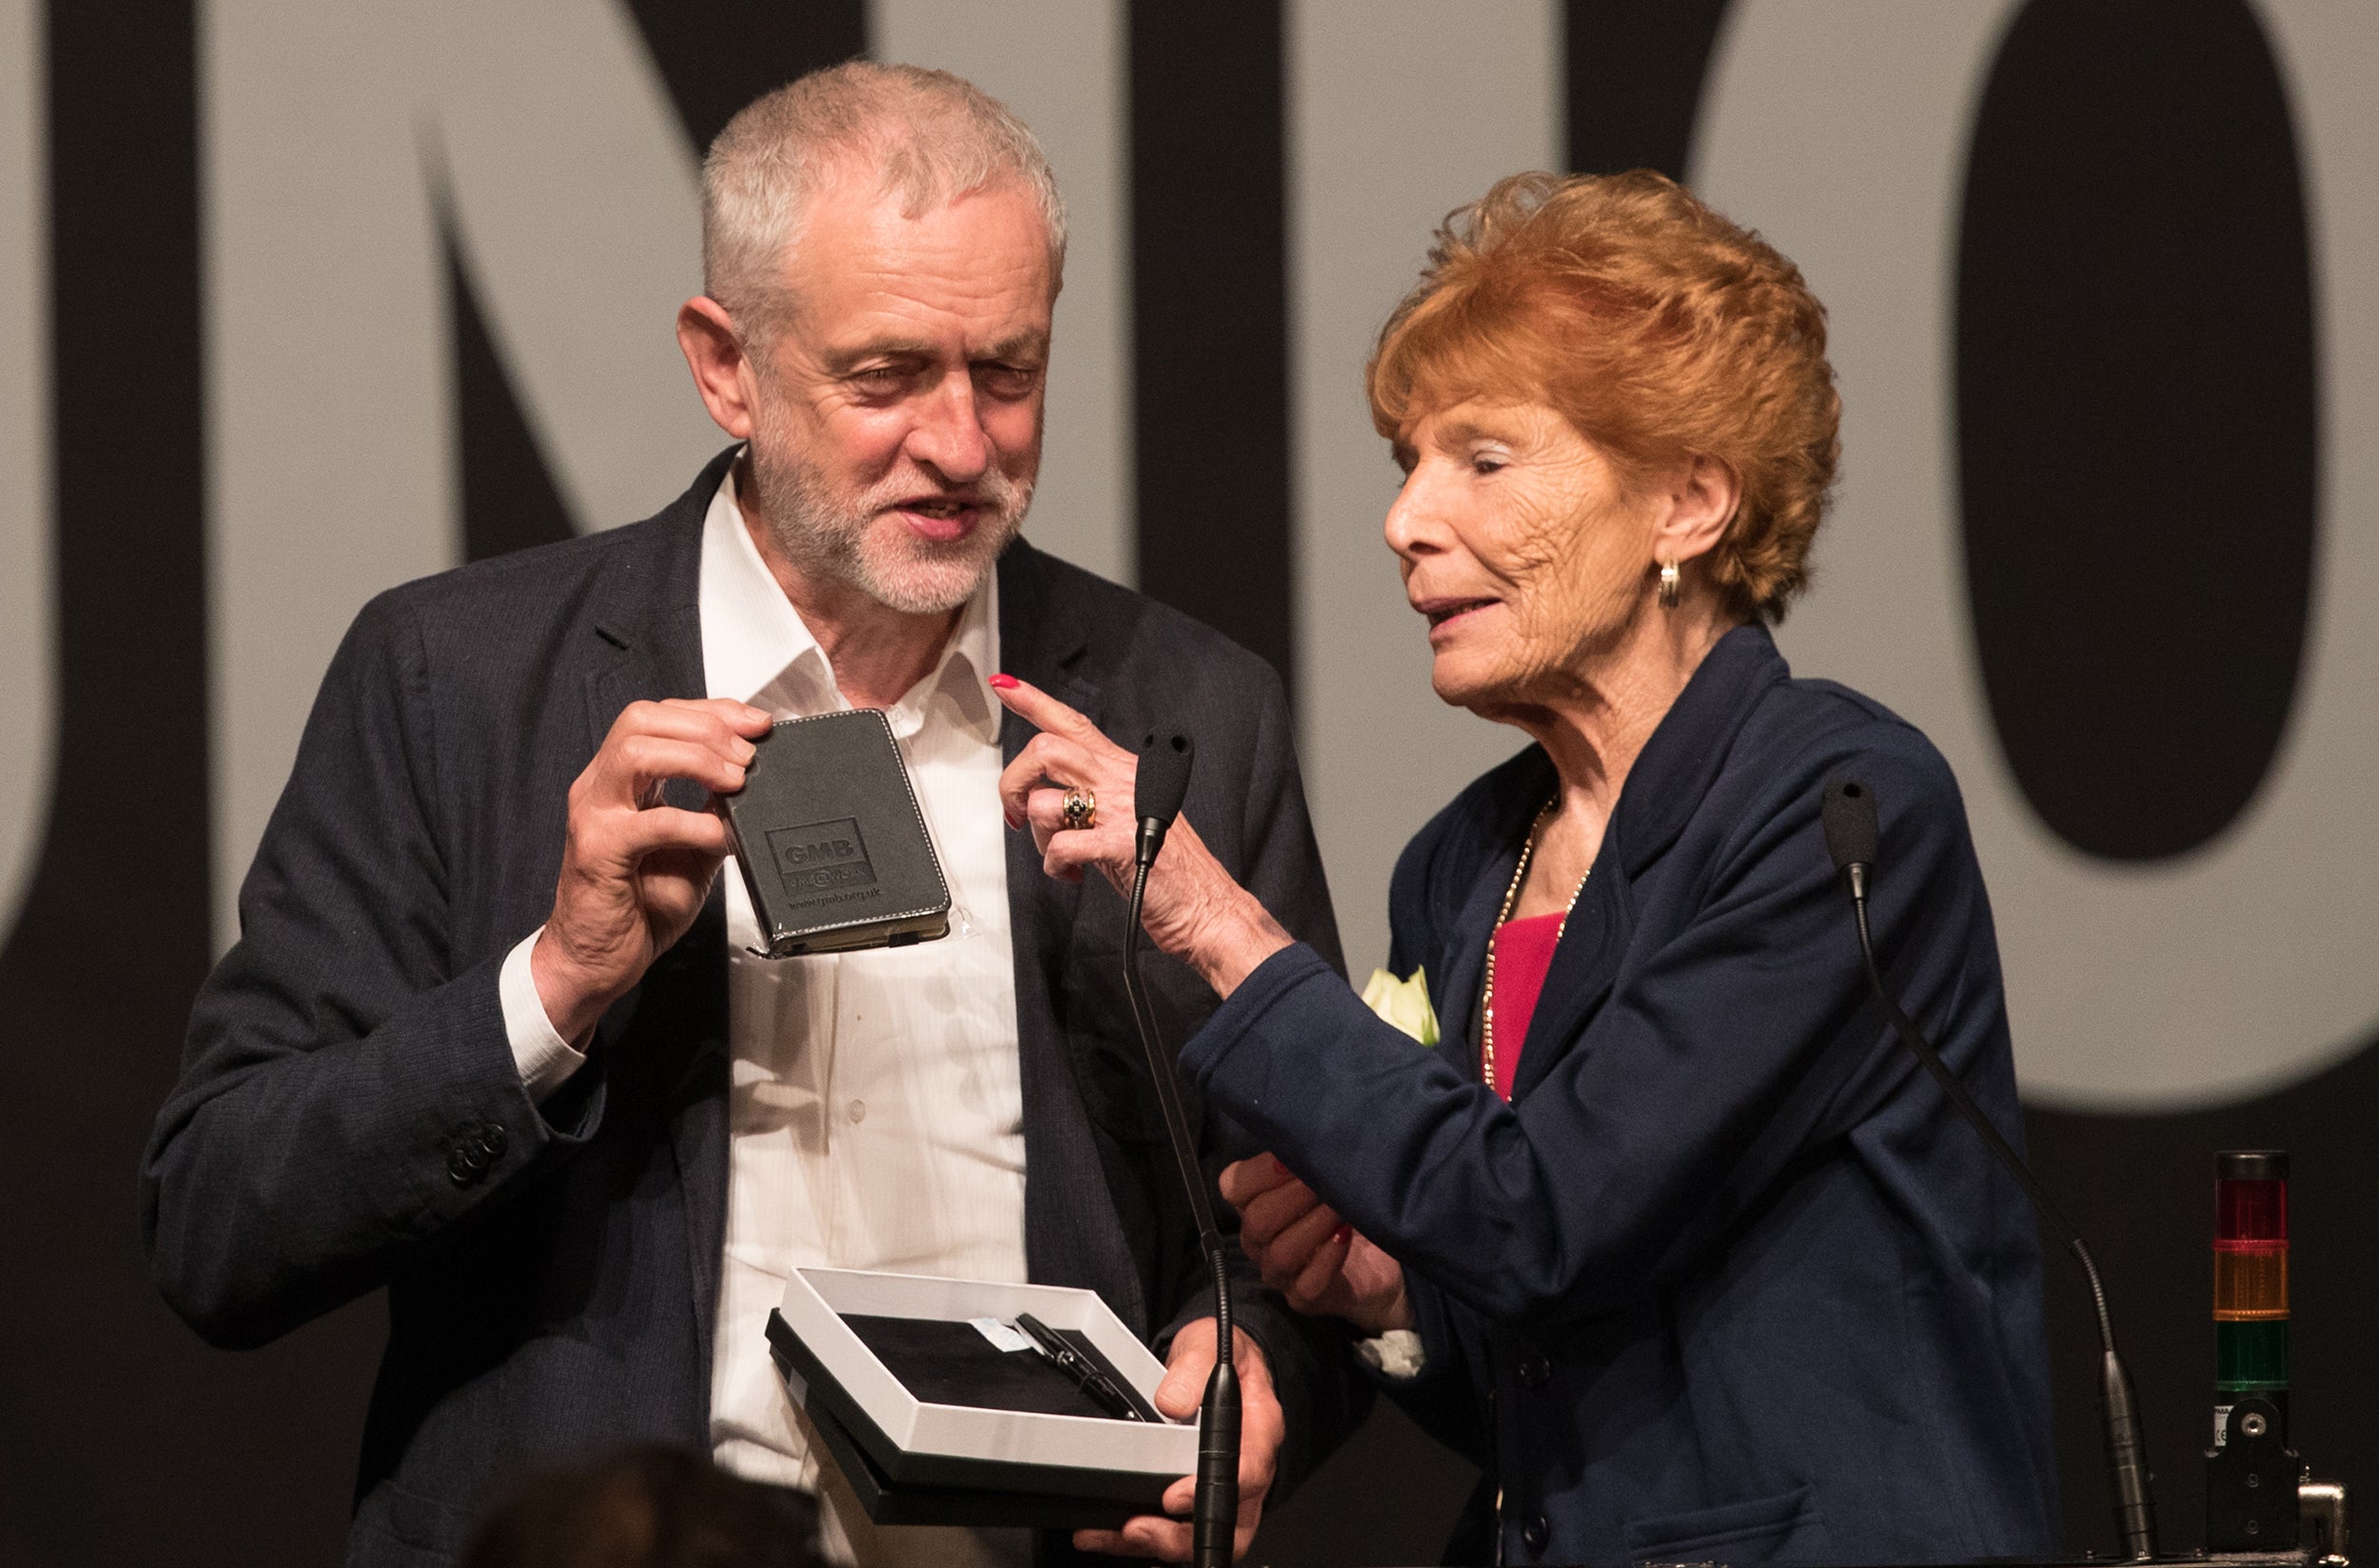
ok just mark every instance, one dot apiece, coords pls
pixel 821 857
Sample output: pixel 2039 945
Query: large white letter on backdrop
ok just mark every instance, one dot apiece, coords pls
pixel 1062 66
pixel 28 654
pixel 1397 113
pixel 1839 129
pixel 334 137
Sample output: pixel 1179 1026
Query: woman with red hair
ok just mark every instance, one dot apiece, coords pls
pixel 1658 1224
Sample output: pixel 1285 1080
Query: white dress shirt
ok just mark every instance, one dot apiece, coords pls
pixel 877 1116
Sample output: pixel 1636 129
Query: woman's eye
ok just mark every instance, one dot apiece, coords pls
pixel 1486 463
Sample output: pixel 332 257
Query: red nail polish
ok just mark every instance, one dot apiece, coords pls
pixel 1342 1234
pixel 1278 1168
pixel 1003 682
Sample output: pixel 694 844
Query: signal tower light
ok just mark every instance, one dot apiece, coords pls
pixel 2251 1283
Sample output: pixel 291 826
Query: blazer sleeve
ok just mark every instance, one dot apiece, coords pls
pixel 1323 1393
pixel 1720 1055
pixel 1447 1395
pixel 346 1093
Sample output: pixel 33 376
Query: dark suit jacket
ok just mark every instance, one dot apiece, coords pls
pixel 1729 1278
pixel 347 1059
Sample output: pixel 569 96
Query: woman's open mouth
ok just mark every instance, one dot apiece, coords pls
pixel 1444 611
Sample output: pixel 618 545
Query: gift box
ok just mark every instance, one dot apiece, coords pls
pixel 939 1408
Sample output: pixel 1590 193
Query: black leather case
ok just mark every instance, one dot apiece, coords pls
pixel 833 848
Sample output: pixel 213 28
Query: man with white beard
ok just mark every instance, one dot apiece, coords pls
pixel 491 1037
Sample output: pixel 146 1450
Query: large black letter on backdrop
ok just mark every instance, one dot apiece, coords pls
pixel 718 55
pixel 1210 318
pixel 714 57
pixel 2137 443
pixel 1635 73
pixel 121 1438
pixel 2135 415
pixel 509 498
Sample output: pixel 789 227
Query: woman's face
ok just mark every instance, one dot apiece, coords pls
pixel 1523 545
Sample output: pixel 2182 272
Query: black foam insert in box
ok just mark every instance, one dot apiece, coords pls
pixel 946 1363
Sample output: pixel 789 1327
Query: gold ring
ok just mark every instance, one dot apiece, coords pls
pixel 1080 807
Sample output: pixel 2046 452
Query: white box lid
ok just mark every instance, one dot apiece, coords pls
pixel 817 1298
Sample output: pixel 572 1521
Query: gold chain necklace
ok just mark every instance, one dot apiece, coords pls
pixel 1502 917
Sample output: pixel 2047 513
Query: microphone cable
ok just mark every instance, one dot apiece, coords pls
pixel 1851 837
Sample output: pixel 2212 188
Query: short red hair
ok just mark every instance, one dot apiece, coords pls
pixel 1658 328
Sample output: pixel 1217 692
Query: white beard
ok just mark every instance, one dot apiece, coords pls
pixel 836 537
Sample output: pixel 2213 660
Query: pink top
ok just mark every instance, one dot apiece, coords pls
pixel 1524 951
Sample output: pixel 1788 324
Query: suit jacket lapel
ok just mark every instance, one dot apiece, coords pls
pixel 646 622
pixel 1073 1235
pixel 647 633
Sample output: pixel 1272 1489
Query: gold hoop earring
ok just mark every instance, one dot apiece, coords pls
pixel 1671 584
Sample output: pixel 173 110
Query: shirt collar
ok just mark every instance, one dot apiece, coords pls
pixel 757 649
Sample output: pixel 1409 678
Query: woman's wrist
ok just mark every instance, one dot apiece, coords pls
pixel 1234 940
pixel 1379 1310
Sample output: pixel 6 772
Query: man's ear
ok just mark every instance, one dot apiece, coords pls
pixel 1702 498
pixel 721 373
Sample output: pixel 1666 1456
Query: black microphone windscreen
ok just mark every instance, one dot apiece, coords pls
pixel 1164 781
pixel 1850 830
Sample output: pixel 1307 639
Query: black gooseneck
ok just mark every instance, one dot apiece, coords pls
pixel 1162 782
pixel 1851 837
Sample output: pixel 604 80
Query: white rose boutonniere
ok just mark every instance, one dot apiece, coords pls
pixel 1403 1003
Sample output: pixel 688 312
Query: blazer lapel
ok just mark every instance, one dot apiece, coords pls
pixel 1457 997
pixel 649 649
pixel 648 635
pixel 1584 966
pixel 1073 1235
pixel 1662 792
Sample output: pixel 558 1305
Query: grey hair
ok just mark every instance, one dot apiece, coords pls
pixel 928 137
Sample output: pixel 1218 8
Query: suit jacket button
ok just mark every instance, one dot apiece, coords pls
pixel 490 1142
pixel 1535 1372
pixel 1535 1532
pixel 462 1168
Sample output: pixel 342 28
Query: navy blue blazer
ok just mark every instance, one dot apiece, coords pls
pixel 350 1115
pixel 1728 1279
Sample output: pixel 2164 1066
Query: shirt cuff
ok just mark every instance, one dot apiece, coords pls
pixel 1396 1355
pixel 544 1058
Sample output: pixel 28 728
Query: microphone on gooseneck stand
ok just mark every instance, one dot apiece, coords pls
pixel 1850 838
pixel 1163 781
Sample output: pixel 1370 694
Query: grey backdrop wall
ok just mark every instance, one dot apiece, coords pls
pixel 299 300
